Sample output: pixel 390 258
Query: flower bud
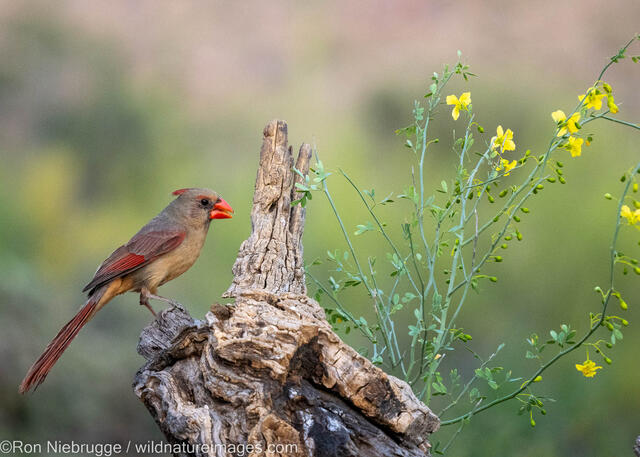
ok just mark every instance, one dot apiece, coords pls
pixel 519 236
pixel 608 360
pixel 609 326
pixel 493 279
pixel 608 196
pixel 637 270
pixel 562 180
pixel 609 345
pixel 504 246
pixel 498 258
pixel 480 129
pixel 537 379
pixel 516 218
pixel 625 322
pixel 503 193
pixel 525 210
pixel 623 304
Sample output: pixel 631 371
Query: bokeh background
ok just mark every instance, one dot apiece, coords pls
pixel 108 106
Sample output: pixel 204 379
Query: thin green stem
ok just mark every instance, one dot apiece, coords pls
pixel 382 230
pixel 620 121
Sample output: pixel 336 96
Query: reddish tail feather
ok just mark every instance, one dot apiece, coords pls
pixel 39 370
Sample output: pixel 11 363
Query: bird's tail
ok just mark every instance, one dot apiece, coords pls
pixel 39 370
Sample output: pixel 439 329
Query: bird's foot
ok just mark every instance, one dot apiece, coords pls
pixel 175 305
pixel 145 295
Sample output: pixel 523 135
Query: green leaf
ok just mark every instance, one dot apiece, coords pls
pixel 617 333
pixel 408 296
pixel 474 395
pixel 386 199
pixel 360 228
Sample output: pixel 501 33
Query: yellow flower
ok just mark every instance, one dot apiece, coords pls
pixel 459 103
pixel 594 98
pixel 503 139
pixel 588 368
pixel 633 217
pixel 565 124
pixel 574 146
pixel 558 116
pixel 508 166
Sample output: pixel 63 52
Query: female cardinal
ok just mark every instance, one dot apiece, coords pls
pixel 162 250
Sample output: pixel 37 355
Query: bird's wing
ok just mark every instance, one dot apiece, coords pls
pixel 138 252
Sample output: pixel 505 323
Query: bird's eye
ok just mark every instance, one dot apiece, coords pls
pixel 205 202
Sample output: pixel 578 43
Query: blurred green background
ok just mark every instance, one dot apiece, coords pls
pixel 106 107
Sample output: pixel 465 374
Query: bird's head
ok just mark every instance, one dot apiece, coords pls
pixel 201 205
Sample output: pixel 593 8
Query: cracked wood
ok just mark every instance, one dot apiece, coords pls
pixel 268 371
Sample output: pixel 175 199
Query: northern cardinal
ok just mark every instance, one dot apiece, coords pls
pixel 162 250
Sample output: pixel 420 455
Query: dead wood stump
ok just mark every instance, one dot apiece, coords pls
pixel 267 376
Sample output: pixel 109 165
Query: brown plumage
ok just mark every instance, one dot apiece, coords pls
pixel 162 250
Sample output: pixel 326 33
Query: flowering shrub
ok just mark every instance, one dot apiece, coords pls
pixel 451 238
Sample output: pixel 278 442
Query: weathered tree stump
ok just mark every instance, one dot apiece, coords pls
pixel 267 375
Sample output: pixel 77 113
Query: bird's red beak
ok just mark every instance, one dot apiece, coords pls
pixel 221 210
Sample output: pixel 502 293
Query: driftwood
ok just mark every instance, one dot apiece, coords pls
pixel 267 375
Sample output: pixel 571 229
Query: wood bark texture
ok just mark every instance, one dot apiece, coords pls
pixel 266 375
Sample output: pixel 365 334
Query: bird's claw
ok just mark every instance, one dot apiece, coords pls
pixel 175 305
